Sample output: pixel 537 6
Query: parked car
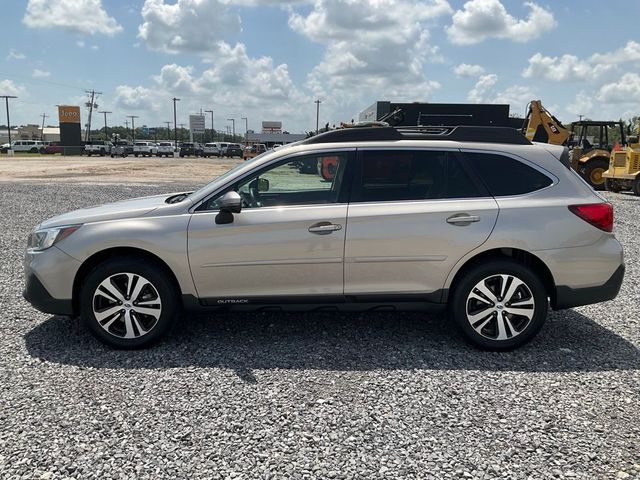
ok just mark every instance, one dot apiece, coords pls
pixel 492 230
pixel 254 150
pixel 98 147
pixel 27 146
pixel 190 150
pixel 144 149
pixel 233 150
pixel 211 150
pixel 53 148
pixel 222 146
pixel 4 148
pixel 121 149
pixel 165 149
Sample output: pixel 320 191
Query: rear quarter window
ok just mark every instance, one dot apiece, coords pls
pixel 506 176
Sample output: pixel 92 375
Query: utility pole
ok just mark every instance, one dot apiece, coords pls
pixel 106 136
pixel 212 134
pixel 93 94
pixel 246 130
pixel 44 115
pixel 233 122
pixel 168 130
pixel 175 126
pixel 126 123
pixel 317 102
pixel 133 126
pixel 6 100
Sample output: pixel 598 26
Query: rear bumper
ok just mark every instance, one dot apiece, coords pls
pixel 37 295
pixel 567 297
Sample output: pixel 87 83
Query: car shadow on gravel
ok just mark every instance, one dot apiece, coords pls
pixel 569 342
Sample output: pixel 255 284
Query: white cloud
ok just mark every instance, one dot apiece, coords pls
pixel 15 55
pixel 558 69
pixel 235 85
pixel 83 16
pixel 373 50
pixel 630 53
pixel 483 89
pixel 80 43
pixel 186 26
pixel 626 90
pixel 482 19
pixel 37 73
pixel 136 98
pixel 569 68
pixel 10 88
pixel 518 96
pixel 582 105
pixel 466 70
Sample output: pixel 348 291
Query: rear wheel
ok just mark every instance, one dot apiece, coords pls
pixel 636 185
pixel 499 305
pixel 128 303
pixel 593 170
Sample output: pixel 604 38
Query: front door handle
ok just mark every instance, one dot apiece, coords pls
pixel 324 228
pixel 462 219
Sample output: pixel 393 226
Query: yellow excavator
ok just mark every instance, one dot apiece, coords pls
pixel 624 167
pixel 589 160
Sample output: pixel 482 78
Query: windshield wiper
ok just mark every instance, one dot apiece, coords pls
pixel 177 198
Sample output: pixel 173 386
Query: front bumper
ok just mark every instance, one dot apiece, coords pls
pixel 49 276
pixel 567 297
pixel 37 295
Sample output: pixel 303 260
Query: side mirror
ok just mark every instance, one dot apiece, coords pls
pixel 263 185
pixel 229 204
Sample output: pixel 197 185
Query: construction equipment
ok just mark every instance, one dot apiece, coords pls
pixel 624 167
pixel 541 126
pixel 589 159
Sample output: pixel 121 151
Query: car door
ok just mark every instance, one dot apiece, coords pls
pixel 288 240
pixel 413 214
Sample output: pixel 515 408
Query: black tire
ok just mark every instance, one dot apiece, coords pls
pixel 636 185
pixel 592 172
pixel 611 185
pixel 102 152
pixel 43 151
pixel 33 150
pixel 163 287
pixel 525 329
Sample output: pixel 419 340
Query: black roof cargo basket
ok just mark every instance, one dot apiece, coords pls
pixel 461 133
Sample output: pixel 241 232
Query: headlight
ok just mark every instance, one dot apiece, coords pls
pixel 47 237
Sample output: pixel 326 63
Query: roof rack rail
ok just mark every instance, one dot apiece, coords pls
pixel 460 133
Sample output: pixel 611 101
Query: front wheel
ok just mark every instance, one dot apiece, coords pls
pixel 128 303
pixel 636 185
pixel 499 305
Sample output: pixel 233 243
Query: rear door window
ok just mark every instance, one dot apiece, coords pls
pixel 506 176
pixel 401 175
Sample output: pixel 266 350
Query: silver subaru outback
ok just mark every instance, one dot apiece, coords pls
pixel 477 221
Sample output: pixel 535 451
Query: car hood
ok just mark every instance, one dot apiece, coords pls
pixel 135 207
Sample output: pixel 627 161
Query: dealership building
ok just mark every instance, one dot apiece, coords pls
pixel 272 134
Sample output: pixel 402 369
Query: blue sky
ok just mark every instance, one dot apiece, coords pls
pixel 270 59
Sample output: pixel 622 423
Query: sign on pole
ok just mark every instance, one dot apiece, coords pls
pixel 196 123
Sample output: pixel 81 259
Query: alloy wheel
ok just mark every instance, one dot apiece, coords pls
pixel 127 305
pixel 500 307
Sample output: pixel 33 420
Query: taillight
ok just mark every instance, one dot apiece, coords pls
pixel 600 215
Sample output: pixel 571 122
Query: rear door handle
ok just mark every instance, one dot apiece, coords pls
pixel 462 219
pixel 324 228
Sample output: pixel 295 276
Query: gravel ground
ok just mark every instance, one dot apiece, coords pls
pixel 312 395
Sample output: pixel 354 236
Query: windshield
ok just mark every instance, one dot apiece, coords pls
pixel 226 174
